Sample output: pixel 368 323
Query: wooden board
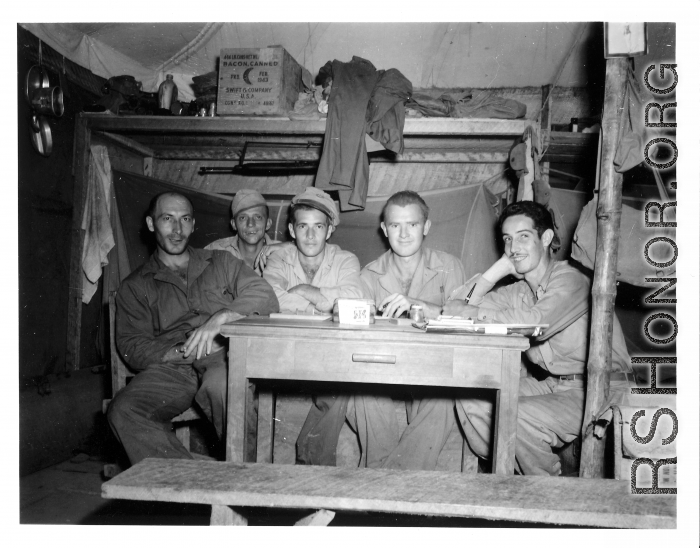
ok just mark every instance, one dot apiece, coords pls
pixel 536 499
pixel 301 317
pixel 271 125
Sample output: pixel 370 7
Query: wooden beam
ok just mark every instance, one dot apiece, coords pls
pixel 429 155
pixel 604 280
pixel 261 125
pixel 126 142
pixel 75 285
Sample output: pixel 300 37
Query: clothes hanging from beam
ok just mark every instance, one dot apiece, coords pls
pixel 363 100
pixel 99 239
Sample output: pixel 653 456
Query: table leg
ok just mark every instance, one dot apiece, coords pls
pixel 266 425
pixel 225 515
pixel 506 416
pixel 237 399
pixel 250 426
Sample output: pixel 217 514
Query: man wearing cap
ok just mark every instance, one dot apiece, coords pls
pixel 169 317
pixel 250 218
pixel 308 278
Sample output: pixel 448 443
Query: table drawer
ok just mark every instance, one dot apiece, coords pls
pixel 382 359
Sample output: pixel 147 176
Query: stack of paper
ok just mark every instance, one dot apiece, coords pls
pixel 457 324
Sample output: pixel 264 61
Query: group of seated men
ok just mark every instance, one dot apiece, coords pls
pixel 171 309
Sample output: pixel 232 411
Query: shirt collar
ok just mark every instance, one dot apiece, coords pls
pixel 235 241
pixel 291 256
pixel 544 282
pixel 429 266
pixel 430 259
pixel 199 260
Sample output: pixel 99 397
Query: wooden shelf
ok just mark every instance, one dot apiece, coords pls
pixel 269 125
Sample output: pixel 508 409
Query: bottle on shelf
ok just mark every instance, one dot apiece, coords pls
pixel 167 92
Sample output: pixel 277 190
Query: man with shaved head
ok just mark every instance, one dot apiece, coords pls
pixel 168 324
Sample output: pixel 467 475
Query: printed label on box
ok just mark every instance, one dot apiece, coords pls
pixel 353 312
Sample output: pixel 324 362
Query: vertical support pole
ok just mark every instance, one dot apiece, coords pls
pixel 604 279
pixel 545 128
pixel 81 166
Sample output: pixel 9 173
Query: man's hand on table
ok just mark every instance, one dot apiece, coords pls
pixel 202 341
pixel 392 306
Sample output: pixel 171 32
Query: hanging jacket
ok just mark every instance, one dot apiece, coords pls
pixel 362 100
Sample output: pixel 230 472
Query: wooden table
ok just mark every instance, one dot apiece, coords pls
pixel 299 350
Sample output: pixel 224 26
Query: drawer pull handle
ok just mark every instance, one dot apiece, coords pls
pixel 373 358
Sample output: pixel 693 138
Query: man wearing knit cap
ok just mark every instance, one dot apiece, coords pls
pixel 307 278
pixel 251 220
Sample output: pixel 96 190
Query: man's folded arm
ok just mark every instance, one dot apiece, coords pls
pixel 349 284
pixel 275 275
pixel 566 299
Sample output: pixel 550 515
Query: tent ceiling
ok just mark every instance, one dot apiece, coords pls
pixel 430 55
pixel 442 55
pixel 148 43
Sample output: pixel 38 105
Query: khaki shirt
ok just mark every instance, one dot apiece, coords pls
pixel 562 300
pixel 436 276
pixel 337 277
pixel 231 245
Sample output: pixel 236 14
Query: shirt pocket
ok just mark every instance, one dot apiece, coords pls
pixel 214 300
pixel 570 348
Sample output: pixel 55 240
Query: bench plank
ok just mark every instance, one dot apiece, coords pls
pixel 537 499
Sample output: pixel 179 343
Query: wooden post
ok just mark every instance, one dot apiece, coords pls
pixel 81 166
pixel 604 279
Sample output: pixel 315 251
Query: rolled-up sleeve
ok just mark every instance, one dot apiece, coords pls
pixel 473 289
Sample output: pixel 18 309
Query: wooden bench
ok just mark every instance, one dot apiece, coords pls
pixel 535 499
